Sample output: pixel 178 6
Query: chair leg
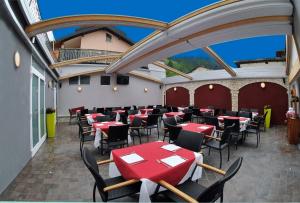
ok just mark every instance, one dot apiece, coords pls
pixel 157 132
pixel 228 157
pixel 94 193
pixel 209 151
pixel 81 146
pixel 221 198
pixel 220 151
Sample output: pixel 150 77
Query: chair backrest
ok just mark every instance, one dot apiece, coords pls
pixel 102 118
pixel 215 191
pixel 210 120
pixel 118 133
pixel 91 163
pixel 170 120
pixel 245 114
pixel 137 122
pixel 196 111
pixel 141 107
pixel 217 112
pixel 134 107
pixel 187 117
pixel 233 169
pixel 225 138
pixel 116 108
pixel 133 112
pixel 253 110
pixel 232 122
pixel 156 111
pixel 124 118
pixel 174 109
pixel 100 110
pixel 84 111
pixel 244 109
pixel 127 108
pixel 173 131
pixel 190 140
pixel 152 119
pixel 231 113
pixel 169 109
pixel 159 106
pixel 150 107
pixel 108 109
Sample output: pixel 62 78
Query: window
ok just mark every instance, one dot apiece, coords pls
pixel 74 80
pixel 105 80
pixel 85 80
pixel 108 37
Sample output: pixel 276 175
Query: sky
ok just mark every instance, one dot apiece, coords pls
pixel 163 10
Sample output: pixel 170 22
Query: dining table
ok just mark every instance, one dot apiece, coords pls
pixel 141 116
pixel 155 161
pixel 91 117
pixel 244 122
pixel 104 126
pixel 173 114
pixel 198 128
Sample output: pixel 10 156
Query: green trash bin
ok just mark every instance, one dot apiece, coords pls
pixel 51 122
pixel 268 117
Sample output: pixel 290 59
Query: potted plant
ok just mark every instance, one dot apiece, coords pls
pixel 51 122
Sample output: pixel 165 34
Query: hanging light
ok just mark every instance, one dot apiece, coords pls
pixel 145 89
pixel 263 85
pixel 115 88
pixel 211 87
pixel 175 89
pixel 17 59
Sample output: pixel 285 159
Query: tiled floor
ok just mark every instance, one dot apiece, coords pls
pixel 270 173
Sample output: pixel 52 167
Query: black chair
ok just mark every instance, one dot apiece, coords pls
pixel 211 120
pixel 131 188
pixel 169 109
pixel 187 117
pixel 108 109
pixel 170 121
pixel 217 112
pixel 151 123
pixel 254 128
pixel 235 131
pixel 134 107
pixel 83 112
pixel 100 110
pixel 220 143
pixel 141 107
pixel 174 109
pixel 196 114
pixel 190 140
pixel 245 114
pixel 85 136
pixel 264 120
pixel 102 118
pixel 244 109
pixel 117 137
pixel 253 110
pixel 231 113
pixel 124 118
pixel 156 111
pixel 132 112
pixel 195 192
pixel 172 132
pixel 159 106
pixel 127 108
pixel 150 107
pixel 135 128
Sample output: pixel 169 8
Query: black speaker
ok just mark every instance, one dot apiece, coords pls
pixel 105 80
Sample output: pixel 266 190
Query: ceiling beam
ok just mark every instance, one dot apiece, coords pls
pixel 220 61
pixel 102 70
pixel 161 65
pixel 85 59
pixel 80 20
pixel 288 46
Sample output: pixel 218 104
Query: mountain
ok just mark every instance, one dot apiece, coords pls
pixel 189 63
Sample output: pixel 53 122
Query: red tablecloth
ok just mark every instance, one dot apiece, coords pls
pixel 144 111
pixel 172 114
pixel 206 110
pixel 94 115
pixel 150 168
pixel 199 128
pixel 142 116
pixel 104 126
pixel 119 111
pixel 221 118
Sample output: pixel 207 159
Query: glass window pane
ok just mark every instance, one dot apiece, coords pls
pixel 73 80
pixel 85 80
pixel 42 108
pixel 35 110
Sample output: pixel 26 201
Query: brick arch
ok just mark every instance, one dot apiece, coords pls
pixel 219 97
pixel 275 95
pixel 180 97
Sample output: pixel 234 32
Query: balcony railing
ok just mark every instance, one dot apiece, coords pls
pixel 76 53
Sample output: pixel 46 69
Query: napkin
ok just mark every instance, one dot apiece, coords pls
pixel 184 124
pixel 173 160
pixel 132 158
pixel 203 127
pixel 171 147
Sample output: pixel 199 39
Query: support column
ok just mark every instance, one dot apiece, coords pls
pixel 192 92
pixel 234 100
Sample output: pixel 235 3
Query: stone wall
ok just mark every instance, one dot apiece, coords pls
pixel 234 85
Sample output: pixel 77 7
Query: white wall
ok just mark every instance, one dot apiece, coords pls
pixel 96 95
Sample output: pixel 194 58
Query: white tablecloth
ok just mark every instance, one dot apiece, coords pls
pixel 148 187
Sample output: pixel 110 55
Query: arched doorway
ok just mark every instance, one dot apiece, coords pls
pixel 177 96
pixel 254 96
pixel 215 95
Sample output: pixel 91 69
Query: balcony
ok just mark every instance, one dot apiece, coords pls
pixel 64 54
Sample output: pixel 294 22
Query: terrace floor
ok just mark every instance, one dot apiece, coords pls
pixel 270 173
